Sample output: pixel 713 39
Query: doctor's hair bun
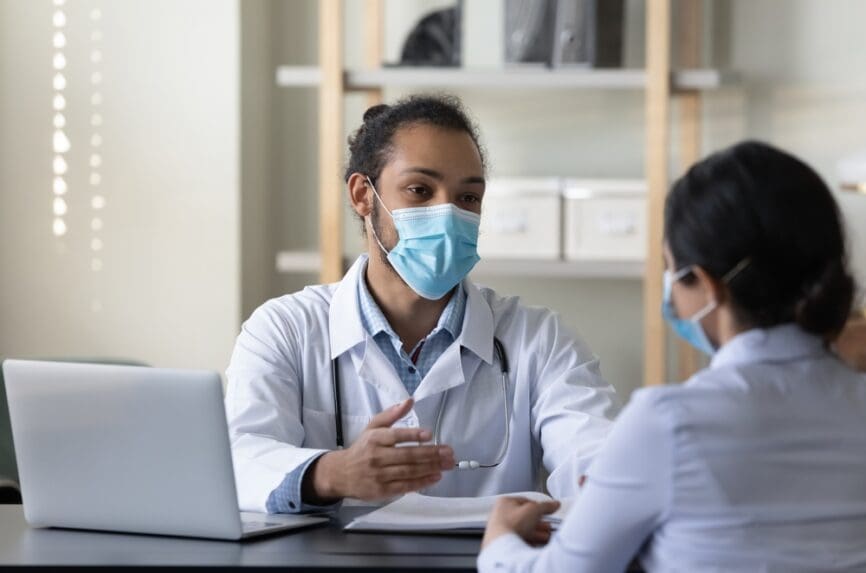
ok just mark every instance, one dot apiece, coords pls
pixel 374 112
pixel 370 146
pixel 756 203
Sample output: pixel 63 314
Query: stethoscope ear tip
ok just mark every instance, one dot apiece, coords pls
pixel 468 465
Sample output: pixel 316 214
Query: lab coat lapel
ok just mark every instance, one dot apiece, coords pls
pixel 478 328
pixel 446 372
pixel 345 330
pixel 455 367
pixel 375 369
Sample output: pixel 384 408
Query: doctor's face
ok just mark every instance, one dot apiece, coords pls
pixel 427 166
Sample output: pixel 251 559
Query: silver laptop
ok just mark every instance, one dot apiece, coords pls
pixel 125 448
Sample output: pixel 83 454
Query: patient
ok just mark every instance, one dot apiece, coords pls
pixel 758 462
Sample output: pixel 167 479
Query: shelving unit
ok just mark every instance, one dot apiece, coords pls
pixel 309 262
pixel 629 270
pixel 517 79
pixel 659 81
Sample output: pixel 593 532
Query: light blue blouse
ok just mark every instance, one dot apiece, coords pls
pixel 757 463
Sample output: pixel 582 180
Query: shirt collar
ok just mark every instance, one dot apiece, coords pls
pixel 347 331
pixel 777 344
pixel 374 321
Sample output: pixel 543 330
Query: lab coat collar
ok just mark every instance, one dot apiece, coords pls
pixel 452 369
pixel 346 330
pixel 478 331
pixel 344 317
pixel 778 344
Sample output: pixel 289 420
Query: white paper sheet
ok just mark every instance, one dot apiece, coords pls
pixel 415 512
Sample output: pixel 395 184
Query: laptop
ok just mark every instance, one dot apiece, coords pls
pixel 130 449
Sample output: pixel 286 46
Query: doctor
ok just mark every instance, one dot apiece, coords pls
pixel 406 376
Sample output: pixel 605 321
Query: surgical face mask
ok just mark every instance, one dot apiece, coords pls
pixel 437 246
pixel 690 329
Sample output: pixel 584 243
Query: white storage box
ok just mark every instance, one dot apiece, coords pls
pixel 605 219
pixel 521 219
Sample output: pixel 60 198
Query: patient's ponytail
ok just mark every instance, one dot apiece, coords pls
pixel 826 302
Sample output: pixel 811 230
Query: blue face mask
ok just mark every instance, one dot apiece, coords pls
pixel 438 246
pixel 689 329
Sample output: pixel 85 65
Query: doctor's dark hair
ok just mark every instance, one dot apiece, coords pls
pixel 371 145
pixel 757 203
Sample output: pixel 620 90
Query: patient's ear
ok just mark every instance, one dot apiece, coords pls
pixel 360 194
pixel 716 288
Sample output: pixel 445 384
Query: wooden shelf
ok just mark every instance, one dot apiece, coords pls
pixel 518 78
pixel 299 76
pixel 632 270
pixel 298 262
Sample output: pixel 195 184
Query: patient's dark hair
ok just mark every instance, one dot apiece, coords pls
pixel 753 201
pixel 371 144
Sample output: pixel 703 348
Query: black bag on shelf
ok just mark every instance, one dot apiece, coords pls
pixel 435 40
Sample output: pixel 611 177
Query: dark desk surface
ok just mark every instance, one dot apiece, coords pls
pixel 323 547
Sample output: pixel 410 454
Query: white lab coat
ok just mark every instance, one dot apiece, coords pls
pixel 280 402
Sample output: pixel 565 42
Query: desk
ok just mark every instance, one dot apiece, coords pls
pixel 324 548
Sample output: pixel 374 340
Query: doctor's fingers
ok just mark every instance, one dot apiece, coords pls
pixel 439 455
pixel 405 486
pixel 410 472
pixel 385 418
pixel 394 436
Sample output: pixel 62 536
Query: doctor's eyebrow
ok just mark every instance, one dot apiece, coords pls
pixel 475 179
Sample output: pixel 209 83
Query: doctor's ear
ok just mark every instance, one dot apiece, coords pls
pixel 360 194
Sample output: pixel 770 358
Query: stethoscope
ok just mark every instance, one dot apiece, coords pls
pixel 501 356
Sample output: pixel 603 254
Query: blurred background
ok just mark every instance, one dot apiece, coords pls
pixel 157 183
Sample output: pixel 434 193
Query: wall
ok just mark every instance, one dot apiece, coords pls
pixel 257 153
pixel 168 292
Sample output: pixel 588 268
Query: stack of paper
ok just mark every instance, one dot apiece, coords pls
pixel 416 513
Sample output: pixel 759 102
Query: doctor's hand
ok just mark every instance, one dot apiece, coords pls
pixel 521 516
pixel 373 468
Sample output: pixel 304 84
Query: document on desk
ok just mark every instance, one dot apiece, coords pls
pixel 415 513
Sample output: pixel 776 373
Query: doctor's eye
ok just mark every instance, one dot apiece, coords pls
pixel 471 198
pixel 419 191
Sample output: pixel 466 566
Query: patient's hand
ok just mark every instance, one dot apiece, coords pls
pixel 521 516
pixel 851 344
